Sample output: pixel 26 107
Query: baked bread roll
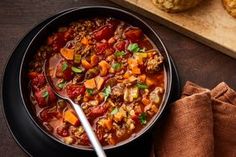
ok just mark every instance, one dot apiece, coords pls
pixel 175 5
pixel 230 6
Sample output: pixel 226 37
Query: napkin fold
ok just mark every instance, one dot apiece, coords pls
pixel 200 124
pixel 224 115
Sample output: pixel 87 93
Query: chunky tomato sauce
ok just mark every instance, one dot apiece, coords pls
pixel 108 67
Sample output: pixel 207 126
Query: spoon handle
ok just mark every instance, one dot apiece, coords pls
pixel 88 129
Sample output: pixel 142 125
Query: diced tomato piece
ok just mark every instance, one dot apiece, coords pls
pixel 32 74
pixel 104 32
pixel 67 74
pixel 45 115
pixel 120 45
pixel 134 34
pixel 63 131
pixel 100 134
pixel 51 94
pixel 37 79
pixel 84 139
pixel 98 111
pixel 135 118
pixel 42 102
pixel 59 42
pixel 45 97
pixel 74 90
pixel 101 47
pixel 109 51
pixel 68 35
pixel 145 43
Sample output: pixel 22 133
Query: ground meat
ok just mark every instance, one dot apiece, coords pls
pixel 155 95
pixel 111 82
pixel 118 91
pixel 153 65
pixel 92 73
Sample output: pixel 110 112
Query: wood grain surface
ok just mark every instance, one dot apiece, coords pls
pixel 208 23
pixel 195 61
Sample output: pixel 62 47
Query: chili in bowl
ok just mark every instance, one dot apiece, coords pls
pixel 112 64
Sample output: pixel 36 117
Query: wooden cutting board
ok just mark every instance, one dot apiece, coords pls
pixel 208 23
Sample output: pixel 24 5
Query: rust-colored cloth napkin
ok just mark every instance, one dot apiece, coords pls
pixel 201 124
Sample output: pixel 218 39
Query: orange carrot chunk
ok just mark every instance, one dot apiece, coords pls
pixel 104 67
pixel 136 70
pixel 142 77
pixel 86 64
pixel 145 101
pixel 94 60
pixel 150 82
pixel 67 53
pixel 90 83
pixel 85 41
pixel 99 82
pixel 70 117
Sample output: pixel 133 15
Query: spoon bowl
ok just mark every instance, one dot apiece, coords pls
pixel 79 112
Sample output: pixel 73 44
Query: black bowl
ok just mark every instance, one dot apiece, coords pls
pixel 83 13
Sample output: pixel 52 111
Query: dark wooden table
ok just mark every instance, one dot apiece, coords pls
pixel 195 61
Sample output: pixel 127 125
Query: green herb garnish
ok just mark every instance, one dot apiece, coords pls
pixel 119 53
pixel 64 66
pixel 61 85
pixel 142 86
pixel 116 66
pixel 107 92
pixel 89 91
pixel 45 94
pixel 143 118
pixel 76 70
pixel 133 47
pixel 114 111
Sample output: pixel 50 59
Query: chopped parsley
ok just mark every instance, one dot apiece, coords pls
pixel 114 111
pixel 76 70
pixel 133 47
pixel 119 53
pixel 45 95
pixel 90 91
pixel 142 86
pixel 116 66
pixel 107 92
pixel 143 118
pixel 64 66
pixel 61 85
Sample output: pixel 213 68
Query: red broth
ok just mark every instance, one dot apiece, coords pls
pixel 110 68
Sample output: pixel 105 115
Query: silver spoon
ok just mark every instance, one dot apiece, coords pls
pixel 80 113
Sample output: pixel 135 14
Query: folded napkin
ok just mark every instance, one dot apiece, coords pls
pixel 201 124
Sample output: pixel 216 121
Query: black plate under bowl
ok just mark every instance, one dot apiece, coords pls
pixel 31 139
